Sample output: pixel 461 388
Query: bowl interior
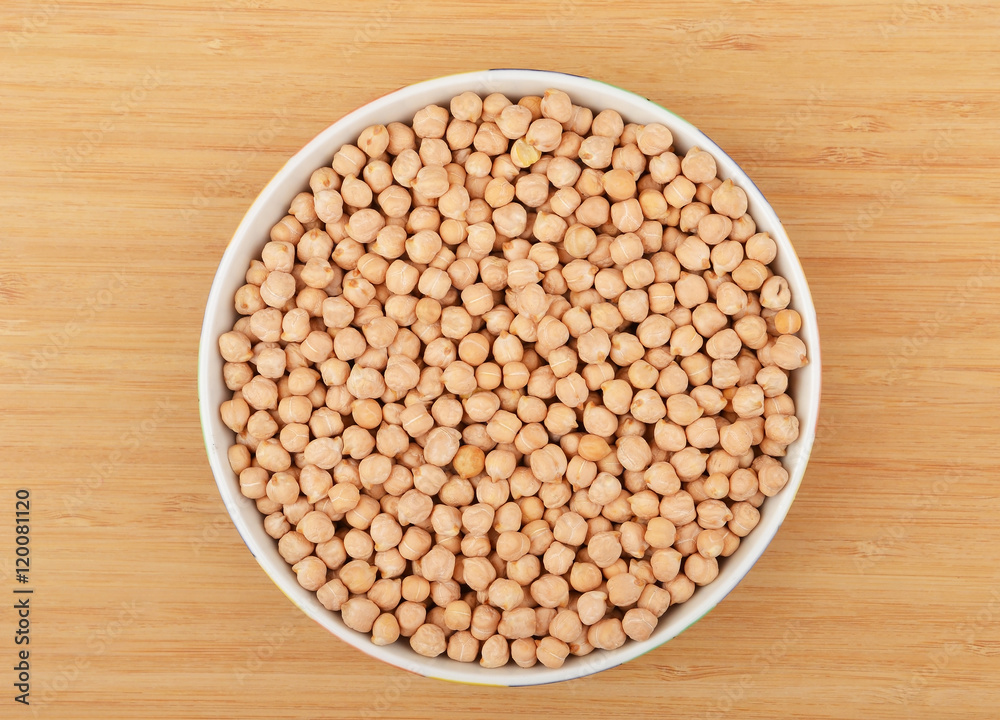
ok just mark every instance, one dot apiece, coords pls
pixel 272 204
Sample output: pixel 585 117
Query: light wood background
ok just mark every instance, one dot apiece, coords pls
pixel 133 138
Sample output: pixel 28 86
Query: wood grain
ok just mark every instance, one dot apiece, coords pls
pixel 135 136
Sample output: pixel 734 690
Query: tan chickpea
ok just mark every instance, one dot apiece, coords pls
pixel 344 496
pixel 729 200
pixel 774 293
pixel 771 477
pixel 701 570
pixel 410 615
pixel 698 165
pixel 495 652
pixel 624 589
pixel 788 352
pixel 679 192
pixel 604 549
pixel 333 595
pixel 736 438
pixel 316 527
pixel 386 593
pixel 235 346
pixel 428 640
pixel 745 519
pixel 787 322
pixel 639 623
pixel 239 459
pixel 570 528
pixel 362 514
pixel 414 507
pixel 592 606
pixel 596 151
pixel 761 248
pixel 458 615
pixel 512 545
pixel 608 123
pixel 517 623
pixel 385 629
pixel 415 588
pixel 606 634
pixel 493 493
pixel 548 464
pixel 271 455
pixel 539 536
pixel 294 547
pixel 773 380
pixel 585 577
pixel 713 514
pixel 604 489
pixel 360 614
pixel 385 532
pixel 783 429
pixel 254 482
pixel 550 591
pixel 552 652
pixel 236 413
pixel 358 576
pixel 750 275
pixel 505 594
pixel 463 647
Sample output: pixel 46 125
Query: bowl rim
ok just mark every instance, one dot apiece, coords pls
pixel 680 617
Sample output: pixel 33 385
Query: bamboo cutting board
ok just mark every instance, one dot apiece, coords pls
pixel 133 138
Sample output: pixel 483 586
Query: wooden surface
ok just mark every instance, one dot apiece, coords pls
pixel 134 137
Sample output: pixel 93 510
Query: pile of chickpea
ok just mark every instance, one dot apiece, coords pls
pixel 509 381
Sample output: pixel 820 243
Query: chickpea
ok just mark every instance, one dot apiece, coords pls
pixel 552 652
pixel 495 652
pixel 517 349
pixel 517 623
pixel 550 591
pixel 606 634
pixel 788 352
pixel 428 640
pixel 385 629
pixel 604 549
pixel 624 589
pixel 360 614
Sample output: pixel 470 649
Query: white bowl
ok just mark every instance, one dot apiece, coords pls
pixel 272 204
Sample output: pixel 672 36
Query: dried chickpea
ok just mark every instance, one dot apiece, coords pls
pixel 523 352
